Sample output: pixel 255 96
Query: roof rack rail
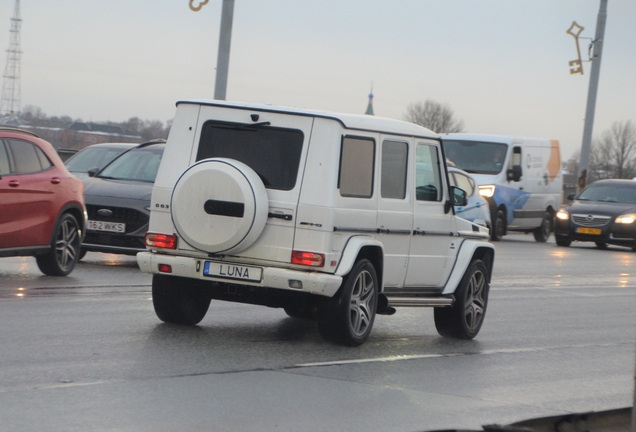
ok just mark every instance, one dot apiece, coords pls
pixel 15 129
pixel 153 141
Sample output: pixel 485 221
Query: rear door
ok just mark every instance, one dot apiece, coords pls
pixel 28 195
pixel 275 146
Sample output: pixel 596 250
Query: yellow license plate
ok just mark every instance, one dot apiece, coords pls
pixel 593 231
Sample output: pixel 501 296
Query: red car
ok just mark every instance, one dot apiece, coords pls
pixel 42 211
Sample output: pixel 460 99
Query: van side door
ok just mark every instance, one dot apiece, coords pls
pixel 433 221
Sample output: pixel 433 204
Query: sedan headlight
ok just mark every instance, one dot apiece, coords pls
pixel 487 190
pixel 626 219
pixel 563 215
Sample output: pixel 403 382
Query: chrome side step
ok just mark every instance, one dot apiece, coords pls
pixel 402 301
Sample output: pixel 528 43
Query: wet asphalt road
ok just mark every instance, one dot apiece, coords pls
pixel 87 352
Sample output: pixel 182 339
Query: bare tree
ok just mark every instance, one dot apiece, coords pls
pixel 434 116
pixel 617 149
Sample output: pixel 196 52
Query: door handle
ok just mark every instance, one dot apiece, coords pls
pixel 55 180
pixel 14 183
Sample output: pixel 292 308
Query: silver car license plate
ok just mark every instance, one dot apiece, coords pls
pixel 105 226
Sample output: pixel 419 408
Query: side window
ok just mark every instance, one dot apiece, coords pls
pixel 464 182
pixel 44 160
pixel 4 160
pixel 516 157
pixel 25 157
pixel 394 163
pixel 428 181
pixel 357 157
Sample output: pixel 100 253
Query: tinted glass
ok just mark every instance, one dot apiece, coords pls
pixel 95 157
pixel 609 193
pixel 4 160
pixel 393 182
pixel 25 157
pixel 138 164
pixel 428 181
pixel 273 153
pixel 476 156
pixel 357 158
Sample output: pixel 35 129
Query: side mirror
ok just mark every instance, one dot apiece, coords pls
pixel 91 172
pixel 459 196
pixel 514 174
pixel 571 197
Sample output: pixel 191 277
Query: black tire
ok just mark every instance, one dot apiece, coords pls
pixel 498 229
pixel 464 318
pixel 601 245
pixel 301 312
pixel 178 303
pixel 542 234
pixel 60 260
pixel 348 319
pixel 82 254
pixel 564 242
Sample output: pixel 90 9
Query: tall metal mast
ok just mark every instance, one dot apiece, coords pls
pixel 10 103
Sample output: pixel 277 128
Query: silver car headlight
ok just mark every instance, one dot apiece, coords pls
pixel 563 214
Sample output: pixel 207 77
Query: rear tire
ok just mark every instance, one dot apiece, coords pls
pixel 498 226
pixel 349 318
pixel 464 318
pixel 61 258
pixel 542 234
pixel 178 303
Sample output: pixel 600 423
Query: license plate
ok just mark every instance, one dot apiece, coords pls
pixel 593 231
pixel 231 271
pixel 105 226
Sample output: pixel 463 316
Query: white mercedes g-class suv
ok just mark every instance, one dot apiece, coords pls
pixel 334 217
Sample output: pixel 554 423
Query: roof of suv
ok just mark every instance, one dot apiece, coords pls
pixel 351 121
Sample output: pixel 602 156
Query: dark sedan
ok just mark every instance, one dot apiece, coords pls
pixel 118 200
pixel 603 213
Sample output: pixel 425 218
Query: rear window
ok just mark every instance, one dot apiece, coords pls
pixel 273 153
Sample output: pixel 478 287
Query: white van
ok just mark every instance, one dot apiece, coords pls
pixel 520 177
pixel 329 216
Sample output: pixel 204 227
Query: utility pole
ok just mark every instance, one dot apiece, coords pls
pixel 225 37
pixel 597 44
pixel 10 103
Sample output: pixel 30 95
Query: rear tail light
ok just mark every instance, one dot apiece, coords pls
pixel 164 241
pixel 309 259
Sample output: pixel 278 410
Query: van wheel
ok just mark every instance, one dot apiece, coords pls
pixel 464 318
pixel 176 302
pixel 61 258
pixel 542 234
pixel 498 226
pixel 349 319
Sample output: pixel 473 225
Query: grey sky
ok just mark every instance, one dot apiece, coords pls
pixel 502 65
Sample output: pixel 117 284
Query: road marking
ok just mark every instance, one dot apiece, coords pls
pixel 428 356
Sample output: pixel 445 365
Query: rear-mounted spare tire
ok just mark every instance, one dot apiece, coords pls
pixel 219 205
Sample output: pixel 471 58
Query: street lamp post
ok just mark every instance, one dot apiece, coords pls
pixel 225 37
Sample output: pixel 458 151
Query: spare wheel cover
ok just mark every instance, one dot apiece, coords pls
pixel 219 205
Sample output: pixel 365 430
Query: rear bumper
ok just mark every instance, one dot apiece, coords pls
pixel 322 284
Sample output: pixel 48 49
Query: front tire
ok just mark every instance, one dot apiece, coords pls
pixel 542 233
pixel 178 303
pixel 563 242
pixel 601 245
pixel 498 226
pixel 464 318
pixel 349 319
pixel 64 253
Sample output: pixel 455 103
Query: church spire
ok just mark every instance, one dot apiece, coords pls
pixel 370 105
